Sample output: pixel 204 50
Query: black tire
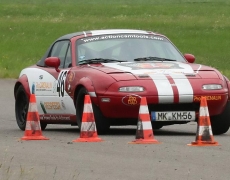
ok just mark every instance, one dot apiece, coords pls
pixel 21 109
pixel 43 126
pixel 156 126
pixel 102 123
pixel 220 123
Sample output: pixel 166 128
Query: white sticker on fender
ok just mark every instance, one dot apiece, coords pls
pixel 50 93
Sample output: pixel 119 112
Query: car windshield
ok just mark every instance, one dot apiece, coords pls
pixel 126 47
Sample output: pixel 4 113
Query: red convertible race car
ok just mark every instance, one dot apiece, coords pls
pixel 116 68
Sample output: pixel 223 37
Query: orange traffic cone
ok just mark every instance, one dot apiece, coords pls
pixel 88 127
pixel 204 136
pixel 144 133
pixel 33 127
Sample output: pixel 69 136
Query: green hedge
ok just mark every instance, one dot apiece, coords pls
pixel 197 27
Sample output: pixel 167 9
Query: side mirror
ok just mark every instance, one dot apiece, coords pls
pixel 190 58
pixel 53 62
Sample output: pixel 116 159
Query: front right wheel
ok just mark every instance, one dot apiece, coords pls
pixel 220 123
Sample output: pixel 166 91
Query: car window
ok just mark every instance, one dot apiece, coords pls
pixel 68 62
pixel 61 49
pixel 126 47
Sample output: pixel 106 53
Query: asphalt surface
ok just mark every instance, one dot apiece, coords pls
pixel 114 158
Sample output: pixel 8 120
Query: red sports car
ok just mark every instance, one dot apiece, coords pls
pixel 116 68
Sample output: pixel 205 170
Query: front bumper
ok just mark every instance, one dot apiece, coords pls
pixel 117 107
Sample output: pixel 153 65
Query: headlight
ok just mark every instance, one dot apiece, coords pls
pixel 212 86
pixel 131 89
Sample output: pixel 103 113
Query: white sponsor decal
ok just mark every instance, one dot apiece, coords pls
pixel 48 89
pixel 121 36
pixel 42 86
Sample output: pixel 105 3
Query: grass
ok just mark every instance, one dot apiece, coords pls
pixel 198 27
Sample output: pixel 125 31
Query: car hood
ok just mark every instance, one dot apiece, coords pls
pixel 141 70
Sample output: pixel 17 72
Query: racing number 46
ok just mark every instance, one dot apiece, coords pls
pixel 61 83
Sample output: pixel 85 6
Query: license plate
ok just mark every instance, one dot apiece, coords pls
pixel 173 116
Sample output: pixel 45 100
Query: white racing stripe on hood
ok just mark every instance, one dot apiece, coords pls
pixel 177 71
pixel 187 67
pixel 164 88
pixel 125 68
pixel 184 87
pixel 197 71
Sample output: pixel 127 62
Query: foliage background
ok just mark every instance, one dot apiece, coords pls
pixel 28 27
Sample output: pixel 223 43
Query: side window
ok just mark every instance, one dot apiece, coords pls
pixel 68 62
pixel 61 49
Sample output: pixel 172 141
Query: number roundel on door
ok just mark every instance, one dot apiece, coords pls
pixel 61 83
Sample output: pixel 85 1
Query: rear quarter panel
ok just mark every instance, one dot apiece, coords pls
pixel 23 80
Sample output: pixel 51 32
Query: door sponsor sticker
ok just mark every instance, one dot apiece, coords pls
pixel 43 86
pixel 47 106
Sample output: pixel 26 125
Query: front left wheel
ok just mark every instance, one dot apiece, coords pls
pixel 21 109
pixel 102 123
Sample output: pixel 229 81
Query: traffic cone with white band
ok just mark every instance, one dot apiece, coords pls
pixel 88 132
pixel 144 132
pixel 33 127
pixel 204 135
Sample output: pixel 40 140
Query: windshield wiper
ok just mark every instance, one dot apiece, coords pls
pixel 150 58
pixel 98 60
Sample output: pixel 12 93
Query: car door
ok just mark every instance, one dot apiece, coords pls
pixel 54 103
